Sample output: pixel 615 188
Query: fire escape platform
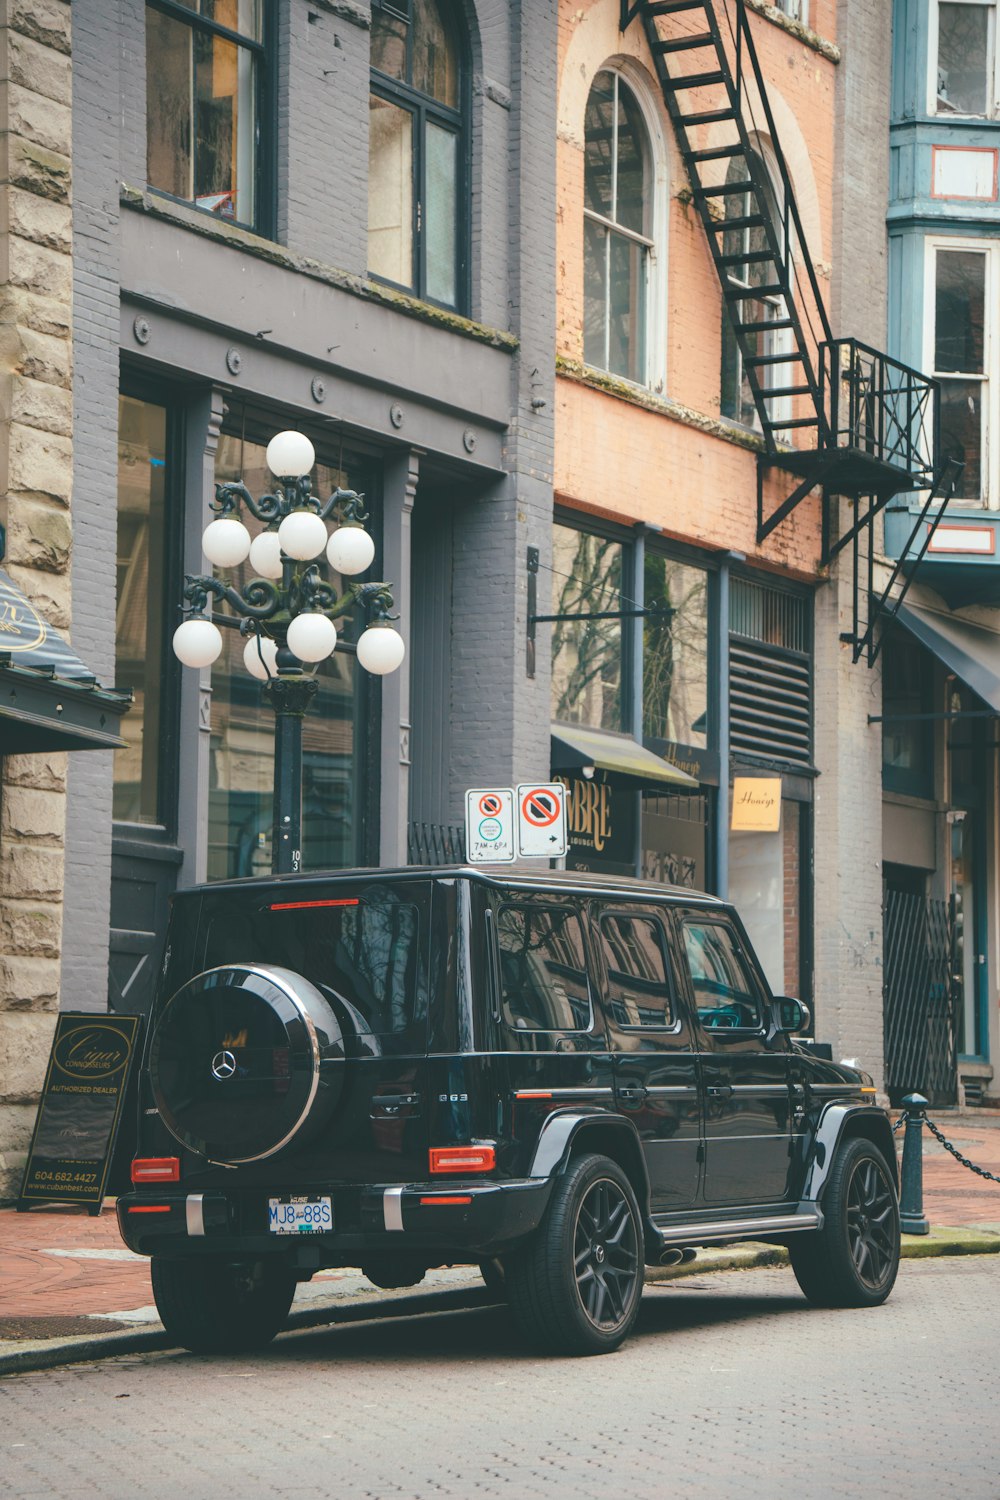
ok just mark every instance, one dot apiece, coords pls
pixel 847 470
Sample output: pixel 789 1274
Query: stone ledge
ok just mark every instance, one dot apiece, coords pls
pixel 357 286
pixel 804 34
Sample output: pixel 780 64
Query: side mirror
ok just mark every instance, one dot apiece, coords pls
pixel 790 1015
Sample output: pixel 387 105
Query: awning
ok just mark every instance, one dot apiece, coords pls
pixel 575 746
pixel 48 699
pixel 970 651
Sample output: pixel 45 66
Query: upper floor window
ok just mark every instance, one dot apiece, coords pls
pixel 964 58
pixel 963 336
pixel 416 150
pixel 745 249
pixel 617 231
pixel 796 10
pixel 205 77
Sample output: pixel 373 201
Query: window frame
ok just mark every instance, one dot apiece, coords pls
pixel 992 67
pixel 676 1025
pixel 265 114
pixel 744 953
pixel 423 109
pixel 525 902
pixel 989 451
pixel 656 239
pixel 137 386
pixel 574 521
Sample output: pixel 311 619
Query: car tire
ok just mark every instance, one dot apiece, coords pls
pixel 215 1306
pixel 575 1287
pixel 852 1261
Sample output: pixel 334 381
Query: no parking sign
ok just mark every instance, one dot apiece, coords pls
pixel 541 819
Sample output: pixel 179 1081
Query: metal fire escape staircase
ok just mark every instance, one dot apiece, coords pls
pixel 834 414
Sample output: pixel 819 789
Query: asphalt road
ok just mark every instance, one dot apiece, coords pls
pixel 732 1386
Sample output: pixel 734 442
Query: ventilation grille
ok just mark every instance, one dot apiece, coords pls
pixel 770 703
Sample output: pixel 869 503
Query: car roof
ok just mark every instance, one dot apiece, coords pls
pixel 495 876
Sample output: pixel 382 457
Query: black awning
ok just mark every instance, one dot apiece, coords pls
pixel 576 745
pixel 48 699
pixel 970 651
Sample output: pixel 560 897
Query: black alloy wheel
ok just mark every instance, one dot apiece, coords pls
pixel 852 1261
pixel 576 1287
pixel 606 1254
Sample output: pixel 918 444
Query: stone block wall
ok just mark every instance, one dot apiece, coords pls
pixel 36 434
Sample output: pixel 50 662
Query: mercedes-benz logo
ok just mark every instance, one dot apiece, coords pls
pixel 223 1065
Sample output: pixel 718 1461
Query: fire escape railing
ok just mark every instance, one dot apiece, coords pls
pixel 837 414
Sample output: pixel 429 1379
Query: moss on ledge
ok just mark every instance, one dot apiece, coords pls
pixel 277 255
pixel 624 390
pixel 804 34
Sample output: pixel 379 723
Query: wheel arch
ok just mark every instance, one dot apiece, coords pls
pixel 570 1134
pixel 843 1122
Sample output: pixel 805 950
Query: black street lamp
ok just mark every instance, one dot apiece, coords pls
pixel 287 611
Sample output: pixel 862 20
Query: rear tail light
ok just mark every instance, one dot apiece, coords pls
pixel 149 1208
pixel 156 1169
pixel 440 1202
pixel 462 1158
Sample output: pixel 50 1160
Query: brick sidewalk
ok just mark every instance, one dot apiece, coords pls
pixel 59 1265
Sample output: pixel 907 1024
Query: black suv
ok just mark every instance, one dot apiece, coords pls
pixel 561 1077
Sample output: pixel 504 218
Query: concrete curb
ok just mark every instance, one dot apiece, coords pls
pixel 51 1353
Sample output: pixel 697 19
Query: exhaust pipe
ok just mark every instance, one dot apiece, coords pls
pixel 675 1256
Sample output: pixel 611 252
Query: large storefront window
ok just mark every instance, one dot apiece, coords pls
pixel 586 653
pixel 675 652
pixel 140 605
pixel 242 722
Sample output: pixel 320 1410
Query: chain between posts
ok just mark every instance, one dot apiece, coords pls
pixel 953 1150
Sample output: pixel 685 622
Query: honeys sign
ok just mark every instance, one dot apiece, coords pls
pixel 756 804
pixel 81 1108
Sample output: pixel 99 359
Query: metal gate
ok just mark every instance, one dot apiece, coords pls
pixel 919 998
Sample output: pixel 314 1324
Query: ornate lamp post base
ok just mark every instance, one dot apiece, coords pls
pixel 290 695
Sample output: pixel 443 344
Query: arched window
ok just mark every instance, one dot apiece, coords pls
pixel 617 230
pixel 745 249
pixel 416 150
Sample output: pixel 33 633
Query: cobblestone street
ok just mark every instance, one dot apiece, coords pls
pixel 732 1386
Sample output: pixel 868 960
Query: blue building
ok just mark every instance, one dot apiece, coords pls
pixel 941 659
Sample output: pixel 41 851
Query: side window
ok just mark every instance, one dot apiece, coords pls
pixel 638 984
pixel 543 969
pixel 725 993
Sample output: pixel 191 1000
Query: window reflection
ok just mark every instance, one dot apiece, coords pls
pixel 586 653
pixel 142 458
pixel 201 107
pixel 675 652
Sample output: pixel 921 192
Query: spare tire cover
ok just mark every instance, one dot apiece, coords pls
pixel 245 1059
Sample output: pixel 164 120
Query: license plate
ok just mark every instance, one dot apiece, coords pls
pixel 299 1215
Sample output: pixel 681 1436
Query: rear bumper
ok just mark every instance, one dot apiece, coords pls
pixel 457 1220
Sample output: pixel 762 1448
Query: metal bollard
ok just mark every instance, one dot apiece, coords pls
pixel 911 1197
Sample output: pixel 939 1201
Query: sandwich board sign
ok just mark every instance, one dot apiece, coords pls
pixel 489 826
pixel 541 820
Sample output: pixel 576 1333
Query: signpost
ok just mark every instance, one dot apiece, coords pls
pixel 541 820
pixel 489 826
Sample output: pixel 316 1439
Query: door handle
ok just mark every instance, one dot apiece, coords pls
pixel 633 1094
pixel 391 1105
pixel 720 1091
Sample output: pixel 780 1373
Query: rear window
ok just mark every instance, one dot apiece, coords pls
pixel 366 949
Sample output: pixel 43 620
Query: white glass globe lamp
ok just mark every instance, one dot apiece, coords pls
pixel 265 555
pixel 256 648
pixel 311 636
pixel 290 455
pixel 197 642
pixel 381 649
pixel 302 535
pixel 226 542
pixel 350 550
